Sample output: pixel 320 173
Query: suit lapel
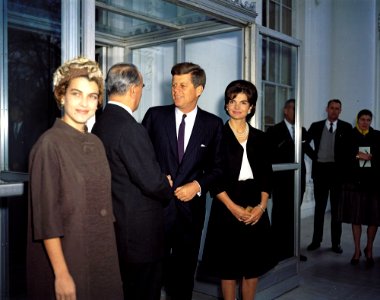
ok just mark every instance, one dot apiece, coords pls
pixel 170 128
pixel 286 130
pixel 196 133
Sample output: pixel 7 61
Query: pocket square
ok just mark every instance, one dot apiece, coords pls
pixel 203 146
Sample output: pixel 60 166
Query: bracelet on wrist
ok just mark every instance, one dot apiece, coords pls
pixel 261 207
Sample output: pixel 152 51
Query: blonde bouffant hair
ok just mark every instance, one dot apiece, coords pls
pixel 77 67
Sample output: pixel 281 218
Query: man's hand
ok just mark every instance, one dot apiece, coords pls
pixel 170 180
pixel 187 192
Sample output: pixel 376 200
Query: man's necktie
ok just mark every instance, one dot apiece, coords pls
pixel 181 138
pixel 331 127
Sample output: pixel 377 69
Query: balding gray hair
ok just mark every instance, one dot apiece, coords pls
pixel 121 77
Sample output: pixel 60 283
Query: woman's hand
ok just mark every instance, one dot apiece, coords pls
pixel 64 283
pixel 65 287
pixel 255 215
pixel 240 213
pixel 364 156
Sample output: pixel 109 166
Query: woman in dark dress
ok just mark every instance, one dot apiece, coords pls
pixel 71 242
pixel 360 203
pixel 238 238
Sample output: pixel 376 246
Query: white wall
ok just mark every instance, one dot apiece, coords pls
pixel 353 55
pixel 338 56
pixel 316 60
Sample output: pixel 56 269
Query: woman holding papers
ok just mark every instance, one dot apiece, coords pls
pixel 360 203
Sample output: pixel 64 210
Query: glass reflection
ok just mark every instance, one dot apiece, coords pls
pixel 279 62
pixel 34 52
pixel 30 100
pixel 136 17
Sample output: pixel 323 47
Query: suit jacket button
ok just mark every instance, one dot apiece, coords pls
pixel 103 212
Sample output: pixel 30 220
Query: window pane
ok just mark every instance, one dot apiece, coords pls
pixel 283 212
pixel 279 15
pixel 264 12
pixel 198 50
pixel 286 66
pixel 282 96
pixel 50 9
pixel 34 52
pixel 287 3
pixel 280 59
pixel 286 21
pixel 116 23
pixel 274 62
pixel 155 64
pixel 32 108
pixel 274 16
pixel 269 105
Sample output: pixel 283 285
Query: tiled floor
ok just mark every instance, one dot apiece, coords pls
pixel 329 276
pixel 326 275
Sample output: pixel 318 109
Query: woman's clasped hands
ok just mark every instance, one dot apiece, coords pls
pixel 249 215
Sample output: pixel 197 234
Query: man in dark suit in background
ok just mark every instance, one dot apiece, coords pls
pixel 281 137
pixel 139 188
pixel 186 140
pixel 330 162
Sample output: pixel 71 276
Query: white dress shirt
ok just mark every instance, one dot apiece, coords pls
pixel 189 121
pixel 127 108
pixel 290 128
pixel 245 169
pixel 335 124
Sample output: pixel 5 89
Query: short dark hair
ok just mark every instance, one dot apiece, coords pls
pixel 334 101
pixel 198 75
pixel 364 112
pixel 121 77
pixel 241 86
pixel 289 101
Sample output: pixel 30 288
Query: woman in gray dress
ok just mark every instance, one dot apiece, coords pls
pixel 71 243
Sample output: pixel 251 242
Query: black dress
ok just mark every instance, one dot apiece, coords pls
pixel 232 249
pixel 360 199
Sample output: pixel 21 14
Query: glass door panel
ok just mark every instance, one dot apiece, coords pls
pixel 220 56
pixel 279 70
pixel 34 52
pixel 155 64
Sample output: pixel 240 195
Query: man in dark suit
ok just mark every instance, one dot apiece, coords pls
pixel 193 160
pixel 139 188
pixel 281 137
pixel 330 162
